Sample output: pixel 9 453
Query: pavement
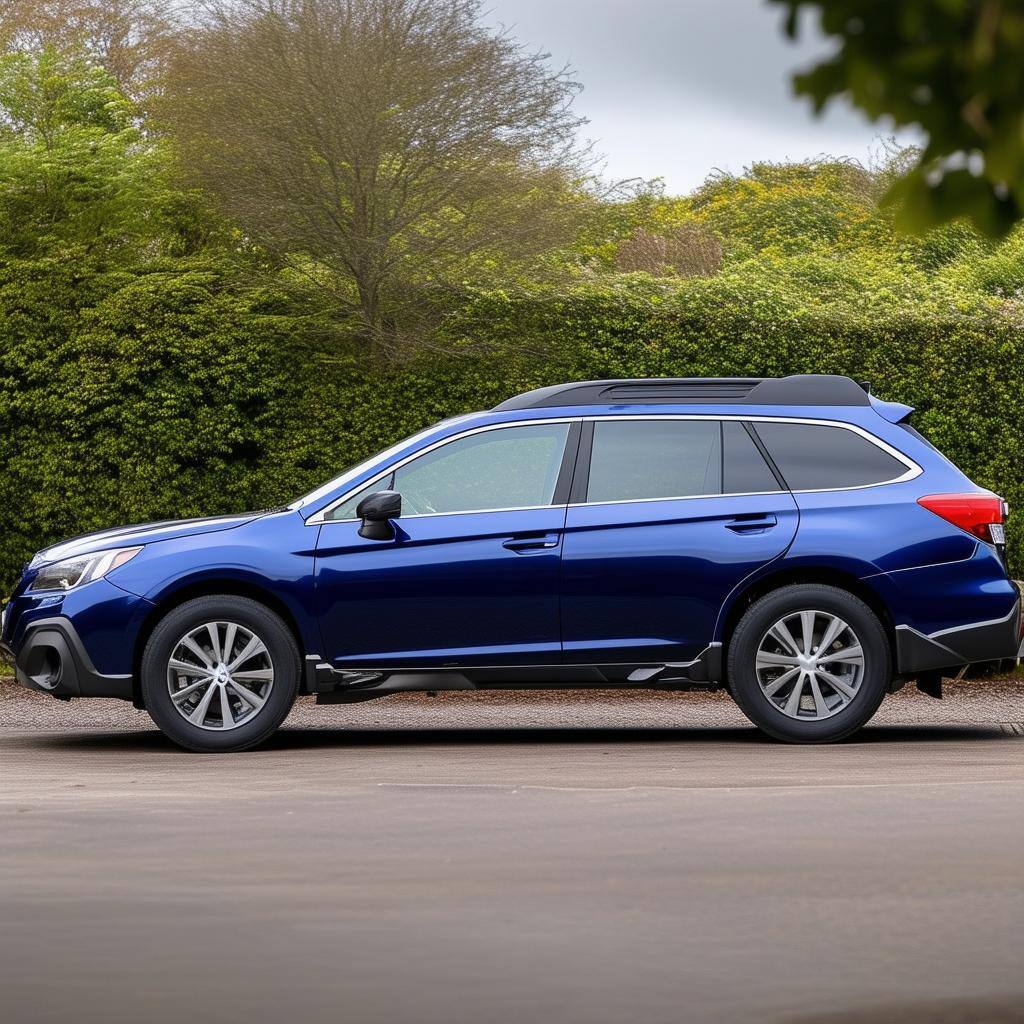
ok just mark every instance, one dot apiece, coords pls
pixel 565 857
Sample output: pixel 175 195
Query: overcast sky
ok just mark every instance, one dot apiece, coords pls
pixel 676 88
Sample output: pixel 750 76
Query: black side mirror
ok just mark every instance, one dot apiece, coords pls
pixel 376 511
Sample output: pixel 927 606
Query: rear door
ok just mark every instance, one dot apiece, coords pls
pixel 668 515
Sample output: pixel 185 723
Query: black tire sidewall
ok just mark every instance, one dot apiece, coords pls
pixel 761 615
pixel 246 612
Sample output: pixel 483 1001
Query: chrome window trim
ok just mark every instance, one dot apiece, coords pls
pixel 913 469
pixel 374 460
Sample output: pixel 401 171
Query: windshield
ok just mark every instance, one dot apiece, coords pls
pixel 354 472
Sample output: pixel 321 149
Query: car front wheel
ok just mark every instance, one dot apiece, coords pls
pixel 220 673
pixel 809 663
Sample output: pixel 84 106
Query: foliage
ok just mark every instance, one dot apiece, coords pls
pixel 689 250
pixel 381 145
pixel 789 207
pixel 953 67
pixel 152 365
pixel 72 162
pixel 165 396
pixel 131 39
pixel 135 368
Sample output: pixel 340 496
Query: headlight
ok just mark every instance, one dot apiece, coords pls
pixel 73 572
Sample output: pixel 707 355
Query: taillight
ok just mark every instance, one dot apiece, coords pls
pixel 980 514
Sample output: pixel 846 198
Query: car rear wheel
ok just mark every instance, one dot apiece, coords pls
pixel 809 663
pixel 220 673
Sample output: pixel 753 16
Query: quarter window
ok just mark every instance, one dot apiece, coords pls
pixel 637 460
pixel 746 472
pixel 510 467
pixel 812 457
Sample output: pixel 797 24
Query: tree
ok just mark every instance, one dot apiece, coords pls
pixel 383 148
pixel 954 68
pixel 687 250
pixel 130 38
pixel 75 169
pixel 139 378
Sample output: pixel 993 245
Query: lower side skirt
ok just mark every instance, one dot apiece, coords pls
pixel 334 686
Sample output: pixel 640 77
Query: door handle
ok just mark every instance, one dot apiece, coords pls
pixel 542 542
pixel 752 523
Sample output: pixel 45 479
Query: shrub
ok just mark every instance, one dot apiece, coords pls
pixel 178 395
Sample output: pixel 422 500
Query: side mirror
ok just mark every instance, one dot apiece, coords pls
pixel 376 511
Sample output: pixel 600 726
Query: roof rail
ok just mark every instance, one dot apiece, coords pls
pixel 799 389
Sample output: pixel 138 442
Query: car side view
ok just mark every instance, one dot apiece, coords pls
pixel 794 540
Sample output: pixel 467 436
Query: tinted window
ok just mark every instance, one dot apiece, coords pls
pixel 640 459
pixel 746 472
pixel 816 458
pixel 513 467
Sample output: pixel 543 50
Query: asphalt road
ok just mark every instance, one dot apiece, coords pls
pixel 384 868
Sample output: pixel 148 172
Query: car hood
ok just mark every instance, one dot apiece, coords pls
pixel 140 533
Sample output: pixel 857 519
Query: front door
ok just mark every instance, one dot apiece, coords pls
pixel 668 516
pixel 471 577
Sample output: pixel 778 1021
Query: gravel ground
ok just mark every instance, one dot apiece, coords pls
pixel 977 701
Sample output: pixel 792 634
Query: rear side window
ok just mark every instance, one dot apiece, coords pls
pixel 745 470
pixel 812 457
pixel 637 460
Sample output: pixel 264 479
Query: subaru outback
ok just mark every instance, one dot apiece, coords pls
pixel 795 541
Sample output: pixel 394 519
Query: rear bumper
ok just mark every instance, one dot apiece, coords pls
pixel 995 640
pixel 51 658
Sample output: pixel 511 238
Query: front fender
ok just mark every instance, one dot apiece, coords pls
pixel 273 557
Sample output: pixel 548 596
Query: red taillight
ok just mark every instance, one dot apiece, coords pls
pixel 975 513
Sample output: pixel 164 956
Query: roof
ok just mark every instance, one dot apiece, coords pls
pixel 799 389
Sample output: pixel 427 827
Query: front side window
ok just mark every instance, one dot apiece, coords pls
pixel 639 460
pixel 347 509
pixel 505 468
pixel 813 457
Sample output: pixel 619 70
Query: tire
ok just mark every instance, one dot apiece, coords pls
pixel 226 699
pixel 808 708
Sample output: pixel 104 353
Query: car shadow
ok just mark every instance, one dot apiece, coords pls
pixel 308 738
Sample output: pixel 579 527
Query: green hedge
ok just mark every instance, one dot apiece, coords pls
pixel 173 395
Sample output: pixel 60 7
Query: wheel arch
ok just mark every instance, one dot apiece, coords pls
pixel 829 576
pixel 208 586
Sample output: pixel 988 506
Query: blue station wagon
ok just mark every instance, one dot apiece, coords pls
pixel 793 540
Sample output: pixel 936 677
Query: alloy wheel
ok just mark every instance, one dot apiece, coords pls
pixel 810 665
pixel 219 676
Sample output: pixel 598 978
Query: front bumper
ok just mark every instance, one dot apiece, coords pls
pixel 51 658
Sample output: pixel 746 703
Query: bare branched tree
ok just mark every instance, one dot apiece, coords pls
pixel 130 38
pixel 394 146
pixel 689 250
